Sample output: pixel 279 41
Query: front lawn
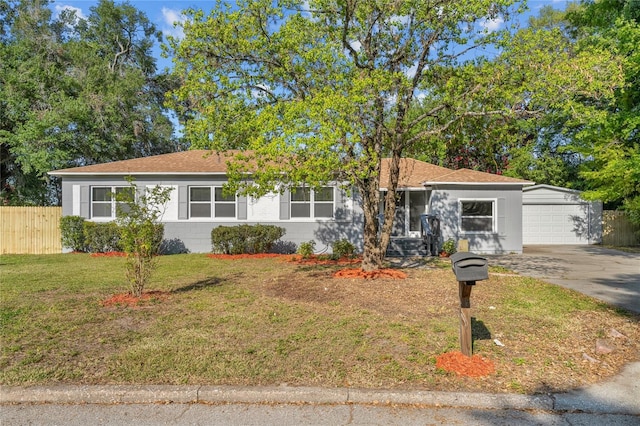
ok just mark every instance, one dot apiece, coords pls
pixel 267 321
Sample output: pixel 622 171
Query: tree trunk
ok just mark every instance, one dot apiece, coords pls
pixel 372 255
pixel 377 240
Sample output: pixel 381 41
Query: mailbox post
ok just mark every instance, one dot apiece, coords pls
pixel 468 268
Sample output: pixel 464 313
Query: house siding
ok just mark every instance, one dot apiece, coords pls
pixel 507 238
pixel 194 235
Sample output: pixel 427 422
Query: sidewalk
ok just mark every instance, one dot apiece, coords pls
pixel 620 395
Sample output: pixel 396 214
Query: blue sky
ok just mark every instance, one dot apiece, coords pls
pixel 164 13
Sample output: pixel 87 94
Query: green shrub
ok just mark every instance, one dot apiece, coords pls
pixel 72 230
pixel 306 249
pixel 449 247
pixel 343 248
pixel 263 237
pixel 102 237
pixel 245 238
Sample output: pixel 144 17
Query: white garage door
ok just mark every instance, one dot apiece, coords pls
pixel 554 224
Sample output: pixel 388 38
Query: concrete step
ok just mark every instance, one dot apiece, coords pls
pixel 406 247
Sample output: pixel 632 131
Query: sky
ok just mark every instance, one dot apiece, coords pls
pixel 164 13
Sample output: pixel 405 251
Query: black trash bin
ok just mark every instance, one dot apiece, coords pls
pixel 469 267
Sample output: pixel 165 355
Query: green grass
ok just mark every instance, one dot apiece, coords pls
pixel 265 321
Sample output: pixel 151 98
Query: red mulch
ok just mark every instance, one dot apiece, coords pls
pixel 318 260
pixel 243 256
pixel 462 365
pixel 380 273
pixel 109 254
pixel 127 299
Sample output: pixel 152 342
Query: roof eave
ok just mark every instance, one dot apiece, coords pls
pixel 523 183
pixel 55 173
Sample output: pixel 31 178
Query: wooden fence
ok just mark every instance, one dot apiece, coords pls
pixel 617 231
pixel 32 230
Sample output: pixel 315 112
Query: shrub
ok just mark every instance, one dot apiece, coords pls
pixel 245 238
pixel 140 231
pixel 449 247
pixel 263 237
pixel 102 237
pixel 306 249
pixel 72 230
pixel 343 248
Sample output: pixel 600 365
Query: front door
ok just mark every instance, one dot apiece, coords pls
pixel 409 207
pixel 416 207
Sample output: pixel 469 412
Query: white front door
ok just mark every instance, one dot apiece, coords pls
pixel 409 207
pixel 416 205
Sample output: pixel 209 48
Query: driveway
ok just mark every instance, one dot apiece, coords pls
pixel 609 275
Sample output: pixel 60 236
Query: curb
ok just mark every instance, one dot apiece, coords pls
pixel 123 394
pixel 584 401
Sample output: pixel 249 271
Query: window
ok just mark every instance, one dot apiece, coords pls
pixel 478 216
pixel 201 203
pixel 306 202
pixel 225 205
pixel 103 203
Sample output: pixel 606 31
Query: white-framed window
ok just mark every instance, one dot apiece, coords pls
pixel 207 201
pixel 103 201
pixel 478 216
pixel 309 203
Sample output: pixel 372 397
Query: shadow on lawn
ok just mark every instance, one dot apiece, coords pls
pixel 199 285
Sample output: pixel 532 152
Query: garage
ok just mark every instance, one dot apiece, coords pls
pixel 554 215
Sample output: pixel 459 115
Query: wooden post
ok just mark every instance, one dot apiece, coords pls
pixel 465 316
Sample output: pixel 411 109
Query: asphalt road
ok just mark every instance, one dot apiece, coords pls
pixel 283 415
pixel 609 275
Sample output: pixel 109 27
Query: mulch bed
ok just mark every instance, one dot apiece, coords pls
pixel 462 365
pixel 127 299
pixel 243 256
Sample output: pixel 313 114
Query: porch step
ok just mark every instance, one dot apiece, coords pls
pixel 406 247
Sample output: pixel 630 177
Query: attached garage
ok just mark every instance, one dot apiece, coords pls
pixel 553 215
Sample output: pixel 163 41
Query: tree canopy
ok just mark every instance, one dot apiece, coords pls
pixel 317 91
pixel 75 92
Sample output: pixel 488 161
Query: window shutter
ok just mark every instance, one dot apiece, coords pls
pixel 85 198
pixel 502 222
pixel 242 207
pixel 285 200
pixel 183 202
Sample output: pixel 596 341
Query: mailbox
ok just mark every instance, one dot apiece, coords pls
pixel 469 267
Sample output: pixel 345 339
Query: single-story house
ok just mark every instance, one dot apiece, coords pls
pixel 554 215
pixel 484 209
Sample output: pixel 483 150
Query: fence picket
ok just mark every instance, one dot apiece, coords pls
pixel 30 230
pixel 617 230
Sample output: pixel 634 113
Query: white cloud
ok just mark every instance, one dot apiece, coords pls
pixel 491 25
pixel 170 17
pixel 60 8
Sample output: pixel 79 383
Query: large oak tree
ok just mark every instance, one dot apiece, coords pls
pixel 322 90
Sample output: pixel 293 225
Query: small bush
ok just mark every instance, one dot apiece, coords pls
pixel 72 230
pixel 263 237
pixel 343 248
pixel 245 238
pixel 102 237
pixel 306 249
pixel 449 247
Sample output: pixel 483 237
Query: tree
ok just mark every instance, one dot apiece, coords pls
pixel 137 214
pixel 322 90
pixel 76 93
pixel 610 140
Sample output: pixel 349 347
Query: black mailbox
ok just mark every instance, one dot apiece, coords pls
pixel 469 267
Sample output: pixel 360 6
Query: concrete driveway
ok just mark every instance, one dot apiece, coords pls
pixel 609 275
